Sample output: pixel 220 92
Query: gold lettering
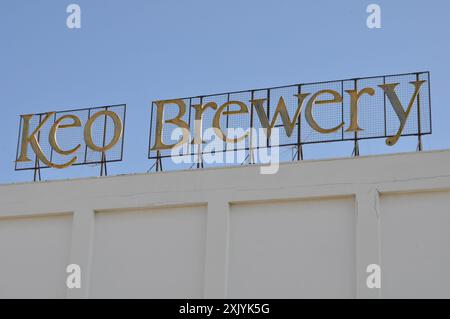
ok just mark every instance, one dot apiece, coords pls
pixel 159 144
pixel 389 90
pixel 57 125
pixel 199 109
pixel 216 121
pixel 354 97
pixel 117 131
pixel 281 110
pixel 337 98
pixel 32 140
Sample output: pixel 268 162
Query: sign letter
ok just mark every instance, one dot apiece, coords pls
pixel 159 144
pixel 32 140
pixel 337 98
pixel 389 90
pixel 116 136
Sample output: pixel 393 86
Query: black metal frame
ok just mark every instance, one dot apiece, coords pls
pixel 299 142
pixel 103 170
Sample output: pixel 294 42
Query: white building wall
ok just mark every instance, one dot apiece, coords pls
pixel 308 231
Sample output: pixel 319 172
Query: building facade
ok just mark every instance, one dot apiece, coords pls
pixel 309 231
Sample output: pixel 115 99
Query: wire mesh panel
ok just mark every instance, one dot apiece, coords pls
pixel 327 116
pixel 71 139
pixel 331 111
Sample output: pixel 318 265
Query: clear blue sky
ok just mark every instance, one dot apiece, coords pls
pixel 137 51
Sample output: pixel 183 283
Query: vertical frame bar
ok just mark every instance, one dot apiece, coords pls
pixel 18 142
pixel 37 170
pixel 268 115
pixel 251 155
pixel 227 122
pixel 86 147
pixel 51 149
pixel 199 147
pixel 385 111
pixel 190 146
pixel 151 129
pixel 123 130
pixel 103 159
pixel 342 109
pixel 429 102
pixel 356 147
pixel 299 130
pixel 419 124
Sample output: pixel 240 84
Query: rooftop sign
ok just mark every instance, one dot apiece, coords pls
pixel 243 122
pixel 386 107
pixel 74 137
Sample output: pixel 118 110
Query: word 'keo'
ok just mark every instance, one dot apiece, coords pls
pixel 65 122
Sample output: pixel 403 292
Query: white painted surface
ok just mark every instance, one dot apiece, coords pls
pixel 34 252
pixel 293 249
pixel 415 245
pixel 149 253
pixel 308 231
